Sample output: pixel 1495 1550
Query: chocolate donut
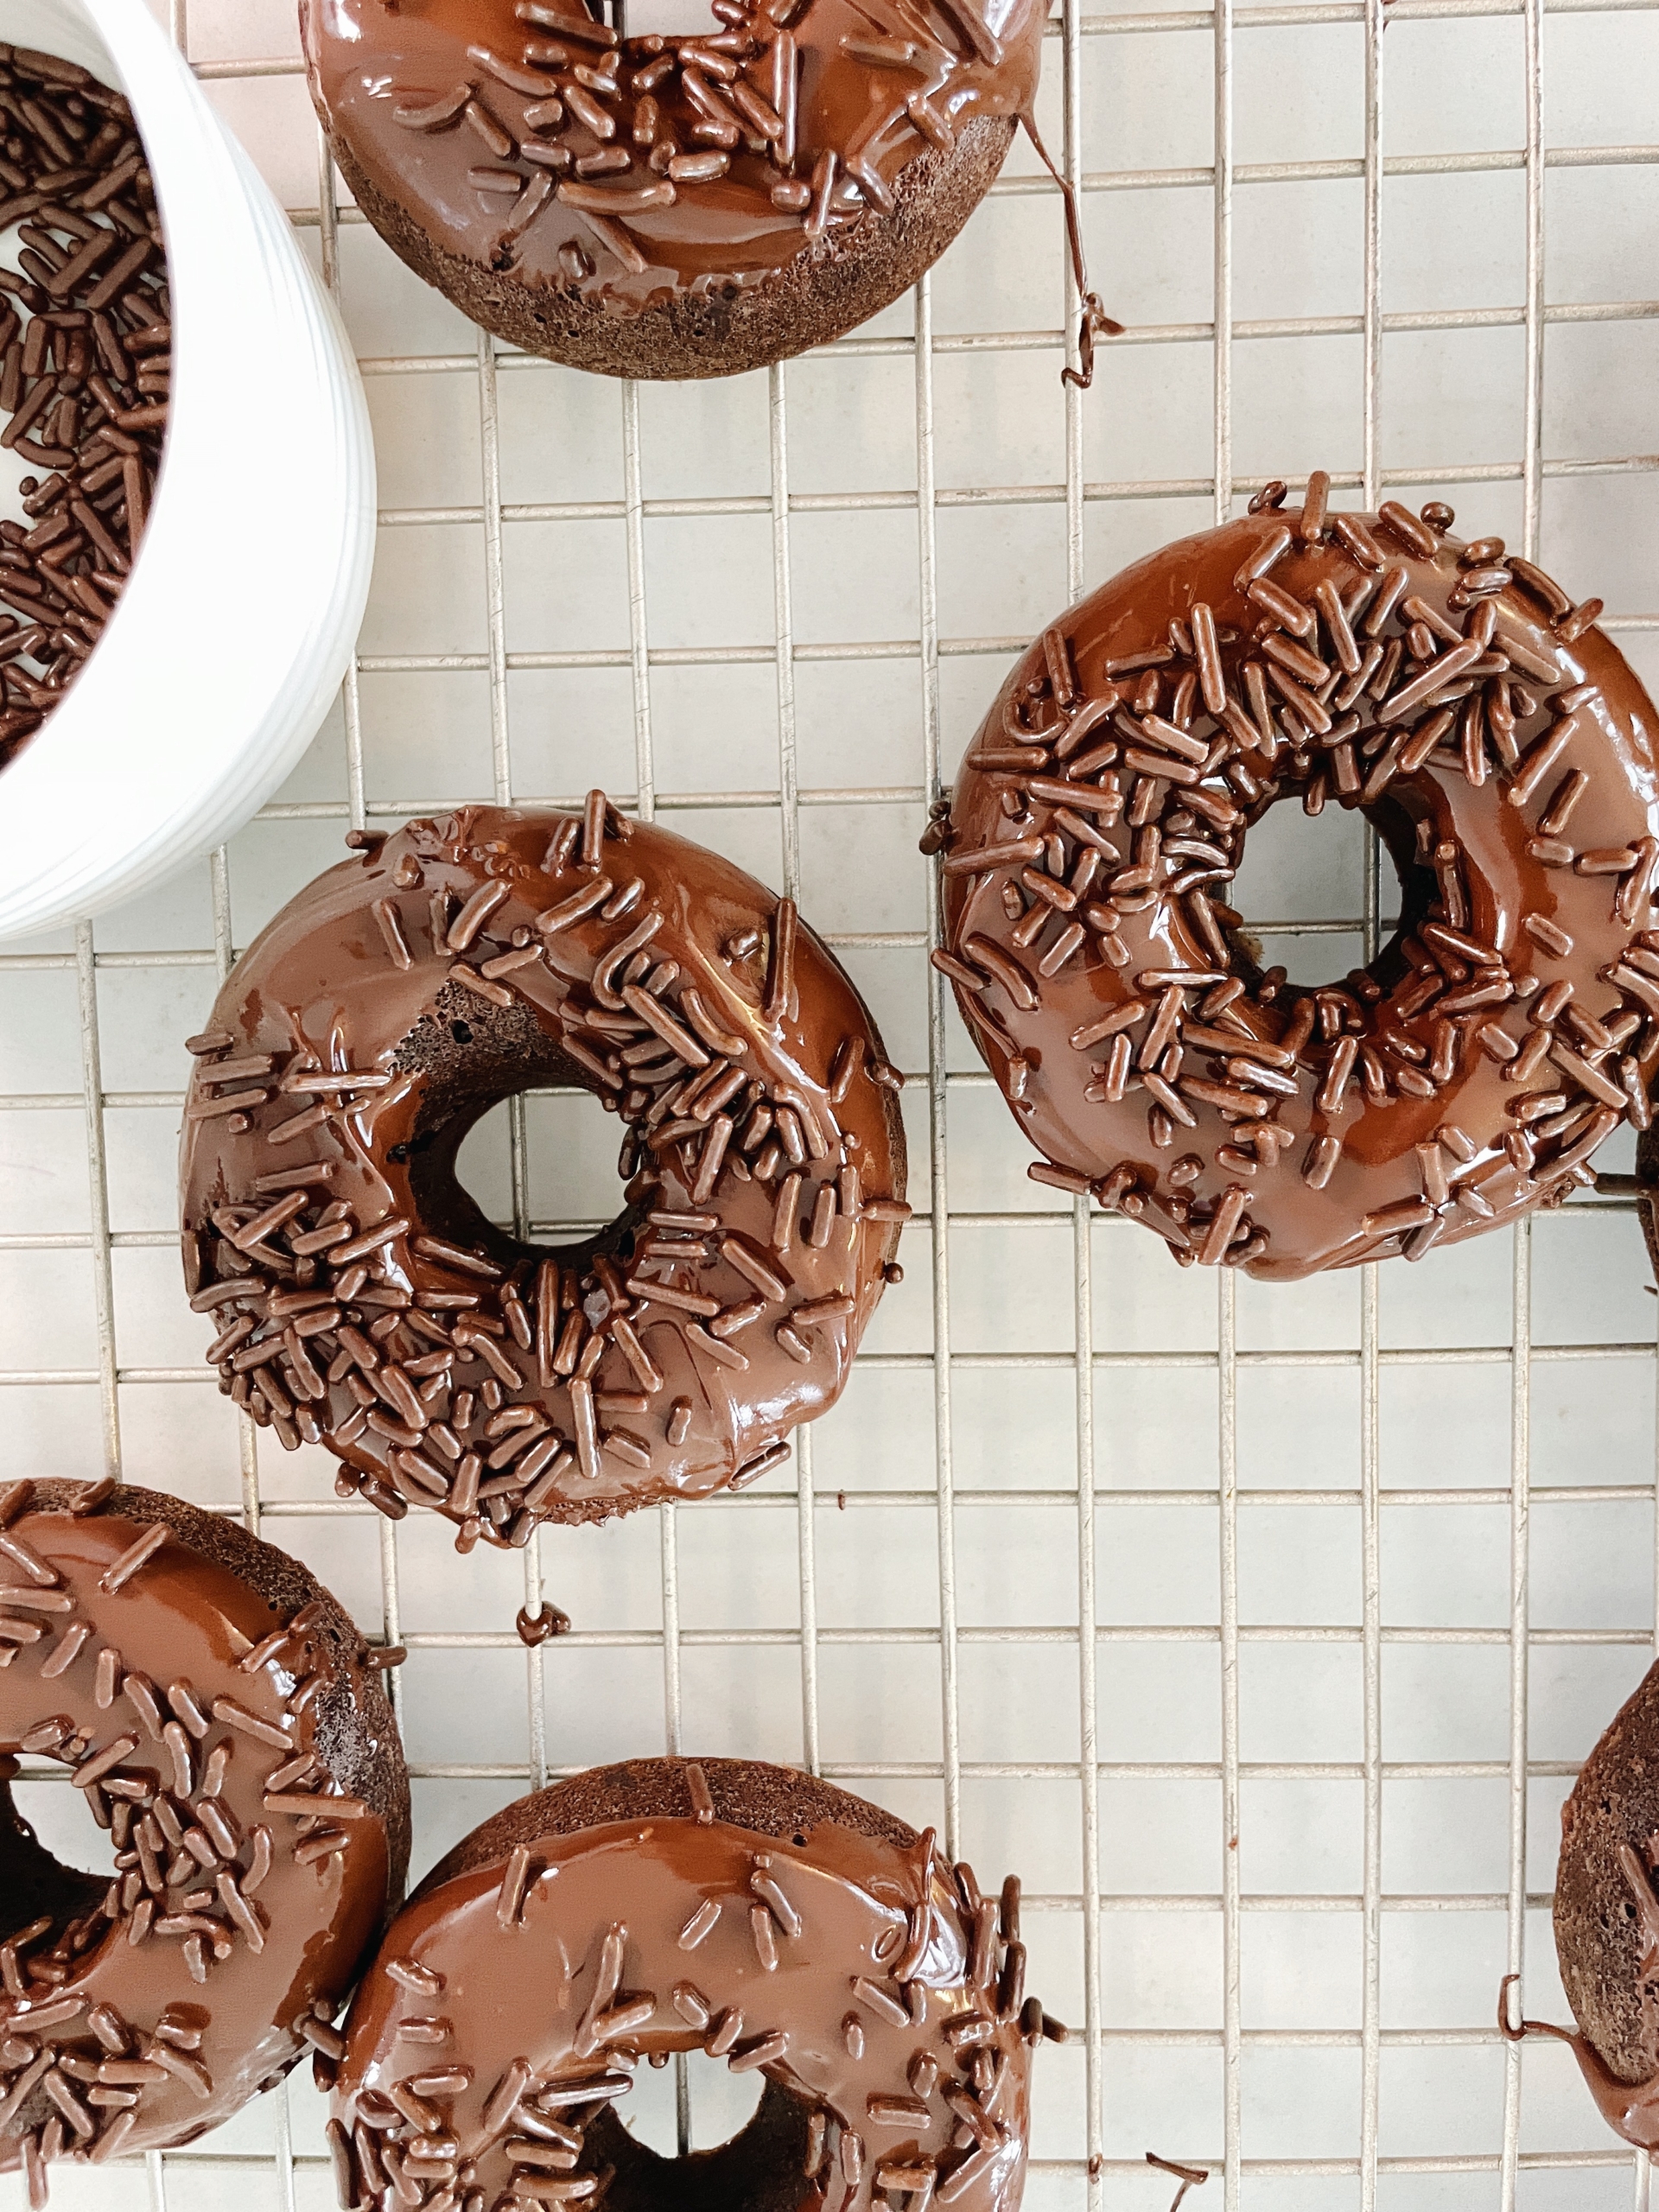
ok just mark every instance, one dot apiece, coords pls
pixel 1607 1921
pixel 1505 753
pixel 661 206
pixel 737 1909
pixel 222 1719
pixel 363 1300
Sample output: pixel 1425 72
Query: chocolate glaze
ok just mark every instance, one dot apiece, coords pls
pixel 149 2008
pixel 1508 1026
pixel 721 1907
pixel 829 103
pixel 1630 2109
pixel 446 968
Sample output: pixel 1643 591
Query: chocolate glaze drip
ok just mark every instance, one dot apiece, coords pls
pixel 879 1995
pixel 1191 2177
pixel 1505 751
pixel 1093 321
pixel 246 1766
pixel 1630 2109
pixel 528 142
pixel 363 1302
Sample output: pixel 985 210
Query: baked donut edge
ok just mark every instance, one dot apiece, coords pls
pixel 1600 1933
pixel 829 287
pixel 747 1794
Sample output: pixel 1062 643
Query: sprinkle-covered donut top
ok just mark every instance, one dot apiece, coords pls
pixel 530 138
pixel 365 1302
pixel 869 1982
pixel 1506 753
pixel 238 1748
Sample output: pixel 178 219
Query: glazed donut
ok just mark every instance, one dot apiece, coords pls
pixel 1606 1917
pixel 671 208
pixel 362 1300
pixel 223 1721
pixel 1505 753
pixel 738 1910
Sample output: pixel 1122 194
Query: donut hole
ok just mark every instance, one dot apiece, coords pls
pixel 1308 874
pixel 476 1060
pixel 723 2104
pixel 670 18
pixel 757 2170
pixel 51 1851
pixel 570 1156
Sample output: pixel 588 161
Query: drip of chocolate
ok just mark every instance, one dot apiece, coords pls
pixel 754 1917
pixel 536 1628
pixel 1190 2177
pixel 622 202
pixel 1456 696
pixel 1630 2109
pixel 360 1299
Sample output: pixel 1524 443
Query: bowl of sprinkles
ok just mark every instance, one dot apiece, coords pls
pixel 85 364
pixel 167 362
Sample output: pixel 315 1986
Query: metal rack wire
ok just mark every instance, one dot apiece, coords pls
pixel 1083 2173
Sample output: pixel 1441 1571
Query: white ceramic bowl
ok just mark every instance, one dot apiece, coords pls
pixel 236 622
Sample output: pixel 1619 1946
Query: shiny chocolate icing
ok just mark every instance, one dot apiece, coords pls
pixel 530 142
pixel 363 1302
pixel 833 1951
pixel 1506 753
pixel 248 1768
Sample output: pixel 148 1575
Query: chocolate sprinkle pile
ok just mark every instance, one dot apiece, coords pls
pixel 86 335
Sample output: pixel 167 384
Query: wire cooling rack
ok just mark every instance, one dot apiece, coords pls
pixel 1368 1562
